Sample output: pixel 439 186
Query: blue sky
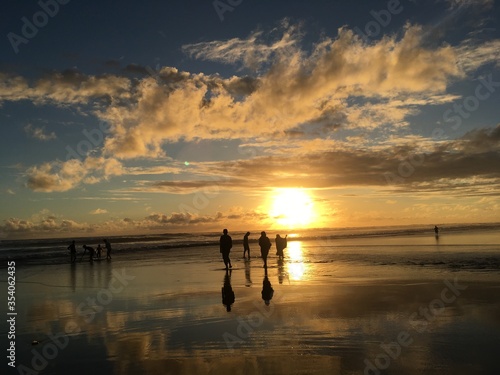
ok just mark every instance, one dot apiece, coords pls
pixel 191 116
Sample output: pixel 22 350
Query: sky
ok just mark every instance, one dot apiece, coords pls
pixel 154 117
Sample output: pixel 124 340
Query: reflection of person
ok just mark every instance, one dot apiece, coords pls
pixel 108 249
pixel 246 246
pixel 267 289
pixel 248 278
pixel 281 271
pixel 265 245
pixel 72 250
pixel 226 243
pixel 227 292
pixel 281 244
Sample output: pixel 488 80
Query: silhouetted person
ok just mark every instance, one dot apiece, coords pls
pixel 72 251
pixel 227 292
pixel 436 232
pixel 246 246
pixel 108 249
pixel 265 245
pixel 91 252
pixel 99 251
pixel 267 289
pixel 281 244
pixel 226 243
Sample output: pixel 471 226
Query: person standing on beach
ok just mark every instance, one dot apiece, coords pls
pixel 246 246
pixel 226 243
pixel 108 249
pixel 91 252
pixel 281 244
pixel 72 250
pixel 99 251
pixel 265 245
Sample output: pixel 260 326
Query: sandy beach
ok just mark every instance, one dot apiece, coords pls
pixel 165 315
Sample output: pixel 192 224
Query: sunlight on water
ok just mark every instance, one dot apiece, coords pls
pixel 296 266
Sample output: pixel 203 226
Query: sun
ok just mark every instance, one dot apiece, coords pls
pixel 292 208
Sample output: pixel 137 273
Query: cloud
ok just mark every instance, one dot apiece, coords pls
pixel 63 176
pixel 485 4
pixel 60 88
pixel 341 83
pixel 39 133
pixel 404 163
pixel 473 55
pixel 252 52
pixel 98 211
pixel 295 88
pixel 48 224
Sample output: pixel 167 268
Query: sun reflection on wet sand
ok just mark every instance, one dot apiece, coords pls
pixel 296 266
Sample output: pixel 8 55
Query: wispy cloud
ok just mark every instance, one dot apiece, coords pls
pixel 98 211
pixel 39 133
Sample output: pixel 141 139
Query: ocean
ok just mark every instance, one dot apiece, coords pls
pixel 460 246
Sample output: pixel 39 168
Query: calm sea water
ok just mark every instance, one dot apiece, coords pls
pixel 474 246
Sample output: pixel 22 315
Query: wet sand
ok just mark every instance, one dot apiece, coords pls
pixel 166 316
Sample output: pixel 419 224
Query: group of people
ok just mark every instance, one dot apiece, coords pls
pixel 226 243
pixel 93 253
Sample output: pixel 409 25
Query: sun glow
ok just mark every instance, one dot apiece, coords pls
pixel 292 207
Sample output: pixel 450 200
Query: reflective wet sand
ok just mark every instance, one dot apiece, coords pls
pixel 165 316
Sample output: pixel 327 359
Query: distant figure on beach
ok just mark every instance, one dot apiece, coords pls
pixel 226 243
pixel 436 232
pixel 72 251
pixel 91 252
pixel 227 292
pixel 108 249
pixel 99 251
pixel 267 289
pixel 265 245
pixel 281 244
pixel 246 246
